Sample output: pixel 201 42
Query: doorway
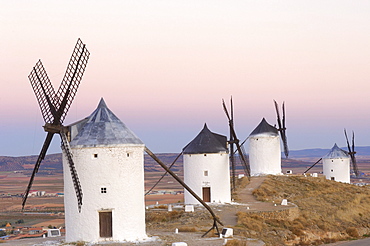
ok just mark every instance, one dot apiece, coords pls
pixel 207 194
pixel 105 224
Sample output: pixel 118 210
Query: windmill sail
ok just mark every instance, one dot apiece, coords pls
pixel 41 157
pixel 44 91
pixel 72 77
pixel 68 154
pixel 282 128
pixel 54 107
pixel 352 152
pixel 234 140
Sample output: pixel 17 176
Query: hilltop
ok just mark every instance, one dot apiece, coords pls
pixel 328 211
pixel 319 211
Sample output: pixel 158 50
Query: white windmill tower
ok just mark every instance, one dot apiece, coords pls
pixel 264 146
pixel 336 165
pixel 206 168
pixel 109 159
pixel 264 150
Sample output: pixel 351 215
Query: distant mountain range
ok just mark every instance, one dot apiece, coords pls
pixel 361 151
pixel 53 162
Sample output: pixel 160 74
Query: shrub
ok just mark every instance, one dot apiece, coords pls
pixel 251 221
pixel 352 232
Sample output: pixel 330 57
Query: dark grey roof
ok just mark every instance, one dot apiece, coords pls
pixel 264 127
pixel 336 153
pixel 102 128
pixel 206 142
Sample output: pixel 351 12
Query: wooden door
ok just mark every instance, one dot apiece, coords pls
pixel 207 194
pixel 105 224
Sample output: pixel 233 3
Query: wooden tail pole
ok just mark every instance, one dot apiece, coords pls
pixel 312 165
pixel 215 218
pixel 165 173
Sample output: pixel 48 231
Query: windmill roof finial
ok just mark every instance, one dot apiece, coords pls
pixel 102 103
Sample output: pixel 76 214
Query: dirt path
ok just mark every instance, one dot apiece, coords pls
pixel 247 202
pixel 245 195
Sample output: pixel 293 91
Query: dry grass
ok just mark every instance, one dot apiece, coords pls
pixel 187 229
pixel 162 216
pixel 325 206
pixel 162 206
pixel 235 242
pixel 240 183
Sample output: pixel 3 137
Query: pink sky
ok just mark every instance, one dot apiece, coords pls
pixel 164 66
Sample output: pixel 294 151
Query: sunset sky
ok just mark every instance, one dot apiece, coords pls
pixel 163 67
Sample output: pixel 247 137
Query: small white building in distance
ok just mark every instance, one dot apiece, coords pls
pixel 109 161
pixel 206 168
pixel 336 165
pixel 264 150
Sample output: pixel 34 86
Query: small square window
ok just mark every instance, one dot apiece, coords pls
pixel 206 173
pixel 103 190
pixel 205 154
pixel 128 154
pixel 331 170
pixel 95 156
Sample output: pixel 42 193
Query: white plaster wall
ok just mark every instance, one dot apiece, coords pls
pixel 338 168
pixel 264 154
pixel 123 176
pixel 218 177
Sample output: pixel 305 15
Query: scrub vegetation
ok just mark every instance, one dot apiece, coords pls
pixel 328 211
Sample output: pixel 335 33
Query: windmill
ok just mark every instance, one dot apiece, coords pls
pixel 352 152
pixel 233 140
pixel 206 167
pixel 282 127
pixel 265 146
pixel 54 107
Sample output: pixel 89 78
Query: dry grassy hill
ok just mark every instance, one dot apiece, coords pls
pixel 328 211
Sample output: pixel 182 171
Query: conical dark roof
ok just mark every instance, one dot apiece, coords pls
pixel 206 142
pixel 103 128
pixel 336 153
pixel 264 127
